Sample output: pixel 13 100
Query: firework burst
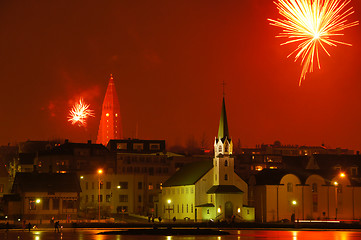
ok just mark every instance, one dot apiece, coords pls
pixel 312 24
pixel 79 113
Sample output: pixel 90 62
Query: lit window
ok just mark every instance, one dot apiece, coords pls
pixel 258 168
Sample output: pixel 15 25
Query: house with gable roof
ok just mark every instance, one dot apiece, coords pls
pixel 207 190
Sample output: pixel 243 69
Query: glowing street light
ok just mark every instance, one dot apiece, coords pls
pixel 100 171
pixel 169 202
pixel 38 200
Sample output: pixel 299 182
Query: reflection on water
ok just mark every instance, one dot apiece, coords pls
pixel 87 234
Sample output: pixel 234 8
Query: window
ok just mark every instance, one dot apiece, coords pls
pixel 138 146
pixel 289 187
pixel 207 211
pixel 86 186
pixel 225 177
pixel 92 198
pixel 186 190
pixel 122 146
pixel 140 185
pixel 100 198
pixel 32 204
pixel 182 208
pixel 154 146
pixel 108 185
pixel 107 198
pixel 220 148
pixel 123 198
pixel 187 208
pixel 101 185
pixel 314 187
pixel 226 163
pixel 177 208
pixel 139 198
pixel 192 208
pixel 150 186
pixel 45 203
pixel 123 185
pixel 56 204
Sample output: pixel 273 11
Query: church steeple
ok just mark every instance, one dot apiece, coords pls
pixel 223 143
pixel 110 126
pixel 223 124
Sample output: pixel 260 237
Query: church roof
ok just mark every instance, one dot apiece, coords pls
pixel 189 174
pixel 223 124
pixel 226 189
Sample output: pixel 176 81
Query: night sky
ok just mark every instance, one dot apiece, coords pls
pixel 169 59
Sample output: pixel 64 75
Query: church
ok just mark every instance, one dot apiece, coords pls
pixel 207 190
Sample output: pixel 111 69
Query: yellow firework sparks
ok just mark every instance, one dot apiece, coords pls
pixel 312 24
pixel 79 113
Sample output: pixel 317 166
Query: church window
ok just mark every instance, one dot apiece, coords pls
pixel 226 147
pixel 220 148
pixel 225 177
pixel 211 198
pixel 192 208
pixel 225 163
pixel 187 208
pixel 177 208
pixel 207 211
pixel 289 187
pixel 186 190
pixel 314 187
pixel 182 208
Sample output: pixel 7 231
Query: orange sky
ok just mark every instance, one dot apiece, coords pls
pixel 169 59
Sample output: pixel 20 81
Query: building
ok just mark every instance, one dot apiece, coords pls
pixel 316 187
pixel 42 196
pixel 110 126
pixel 209 189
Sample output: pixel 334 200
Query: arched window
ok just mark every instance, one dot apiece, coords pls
pixel 225 177
pixel 289 187
pixel 220 148
pixel 225 163
pixel 314 187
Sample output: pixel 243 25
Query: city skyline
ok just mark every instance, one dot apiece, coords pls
pixel 169 60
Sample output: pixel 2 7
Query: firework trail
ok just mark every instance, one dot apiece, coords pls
pixel 79 113
pixel 312 24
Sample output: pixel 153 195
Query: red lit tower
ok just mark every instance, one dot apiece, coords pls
pixel 110 126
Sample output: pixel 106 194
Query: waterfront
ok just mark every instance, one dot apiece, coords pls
pixel 91 234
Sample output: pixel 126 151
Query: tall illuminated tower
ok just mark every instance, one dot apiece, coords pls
pixel 110 126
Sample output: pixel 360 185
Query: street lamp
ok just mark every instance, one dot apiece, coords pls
pixel 294 203
pixel 336 200
pixel 100 171
pixel 169 201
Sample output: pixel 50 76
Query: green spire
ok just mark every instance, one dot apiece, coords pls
pixel 223 124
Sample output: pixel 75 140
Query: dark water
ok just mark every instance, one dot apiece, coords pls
pixel 86 234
